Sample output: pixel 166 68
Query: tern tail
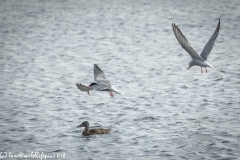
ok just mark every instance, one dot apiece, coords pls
pixel 209 65
pixel 115 90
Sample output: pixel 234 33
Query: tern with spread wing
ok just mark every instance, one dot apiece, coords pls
pixel 100 84
pixel 196 59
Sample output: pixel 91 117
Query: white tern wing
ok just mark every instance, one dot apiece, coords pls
pixel 209 45
pixel 98 73
pixel 184 42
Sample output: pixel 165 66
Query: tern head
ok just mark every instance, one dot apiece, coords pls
pixel 191 64
pixel 92 84
pixel 84 124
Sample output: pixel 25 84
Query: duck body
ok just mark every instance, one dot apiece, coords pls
pixel 96 131
pixel 89 131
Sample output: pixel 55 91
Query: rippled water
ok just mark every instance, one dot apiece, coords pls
pixel 166 112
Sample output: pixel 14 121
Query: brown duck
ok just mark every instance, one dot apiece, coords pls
pixel 87 131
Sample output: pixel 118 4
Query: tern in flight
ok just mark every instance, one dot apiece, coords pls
pixel 196 59
pixel 100 84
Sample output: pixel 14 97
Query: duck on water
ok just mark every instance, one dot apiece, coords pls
pixel 89 131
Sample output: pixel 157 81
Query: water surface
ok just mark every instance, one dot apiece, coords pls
pixel 166 112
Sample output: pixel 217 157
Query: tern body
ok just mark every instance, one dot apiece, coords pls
pixel 197 60
pixel 200 62
pixel 100 84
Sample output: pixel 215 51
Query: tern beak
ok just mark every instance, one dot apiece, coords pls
pixel 188 68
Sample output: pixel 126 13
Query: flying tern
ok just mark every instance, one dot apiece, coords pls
pixel 196 59
pixel 100 84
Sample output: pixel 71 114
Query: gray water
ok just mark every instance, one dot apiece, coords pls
pixel 166 112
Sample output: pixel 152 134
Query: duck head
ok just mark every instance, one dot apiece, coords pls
pixel 84 124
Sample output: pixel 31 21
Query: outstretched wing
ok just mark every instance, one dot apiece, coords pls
pixel 208 47
pixel 98 73
pixel 83 88
pixel 184 42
